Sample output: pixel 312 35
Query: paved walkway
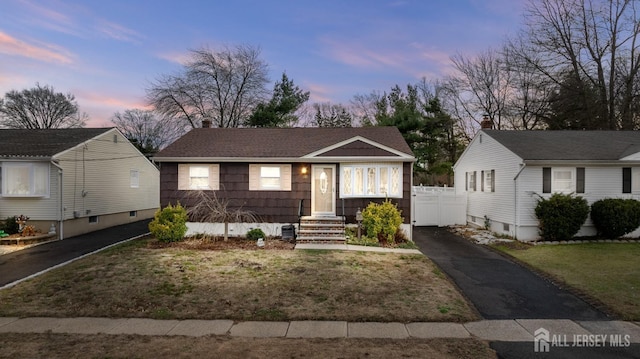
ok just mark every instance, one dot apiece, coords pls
pixel 519 330
pixel 498 287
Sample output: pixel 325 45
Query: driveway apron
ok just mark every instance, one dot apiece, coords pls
pixel 23 263
pixel 498 287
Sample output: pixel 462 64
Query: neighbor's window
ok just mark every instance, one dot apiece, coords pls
pixel 201 176
pixel 371 180
pixel 134 178
pixel 563 179
pixel 25 179
pixel 471 181
pixel 489 181
pixel 269 177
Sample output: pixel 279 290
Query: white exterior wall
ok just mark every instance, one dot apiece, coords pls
pixel 485 154
pixel 97 178
pixel 36 208
pixel 601 181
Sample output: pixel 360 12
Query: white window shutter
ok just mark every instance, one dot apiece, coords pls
pixel 254 177
pixel 183 176
pixel 285 177
pixel 214 177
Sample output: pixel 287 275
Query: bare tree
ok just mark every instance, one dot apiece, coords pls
pixel 205 206
pixel 145 130
pixel 483 86
pixel 40 108
pixel 587 49
pixel 223 87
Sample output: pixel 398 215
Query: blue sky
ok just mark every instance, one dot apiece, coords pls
pixel 107 53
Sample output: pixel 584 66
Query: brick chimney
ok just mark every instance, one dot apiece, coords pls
pixel 486 123
pixel 206 124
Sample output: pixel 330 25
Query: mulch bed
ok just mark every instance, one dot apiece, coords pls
pixel 221 244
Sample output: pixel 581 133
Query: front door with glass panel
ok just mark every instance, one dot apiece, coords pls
pixel 323 193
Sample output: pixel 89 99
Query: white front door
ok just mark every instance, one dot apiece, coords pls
pixel 323 190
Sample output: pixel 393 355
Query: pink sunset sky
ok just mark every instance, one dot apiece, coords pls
pixel 106 53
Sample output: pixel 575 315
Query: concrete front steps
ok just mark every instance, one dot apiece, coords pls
pixel 321 230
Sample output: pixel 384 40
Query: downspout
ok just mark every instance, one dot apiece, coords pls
pixel 515 200
pixel 60 199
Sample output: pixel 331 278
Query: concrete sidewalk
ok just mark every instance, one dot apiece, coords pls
pixel 519 330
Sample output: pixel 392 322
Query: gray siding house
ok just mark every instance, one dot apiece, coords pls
pixel 504 173
pixel 78 180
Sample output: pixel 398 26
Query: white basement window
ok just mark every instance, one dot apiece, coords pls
pixel 25 179
pixel 371 180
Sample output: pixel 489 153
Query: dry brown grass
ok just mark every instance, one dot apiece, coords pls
pixel 20 345
pixel 142 279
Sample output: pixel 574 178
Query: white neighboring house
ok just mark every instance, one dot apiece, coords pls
pixel 80 180
pixel 505 173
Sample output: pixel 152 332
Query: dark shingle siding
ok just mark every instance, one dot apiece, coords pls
pixel 569 145
pixel 45 143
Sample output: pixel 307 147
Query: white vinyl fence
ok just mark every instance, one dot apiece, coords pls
pixel 438 206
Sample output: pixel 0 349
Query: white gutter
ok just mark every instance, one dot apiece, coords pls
pixel 515 200
pixel 60 199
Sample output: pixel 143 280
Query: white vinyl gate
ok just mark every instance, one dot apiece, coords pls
pixel 438 206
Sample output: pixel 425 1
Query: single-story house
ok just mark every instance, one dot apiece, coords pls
pixel 282 173
pixel 76 180
pixel 505 173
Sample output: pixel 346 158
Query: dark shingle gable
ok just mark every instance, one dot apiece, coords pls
pixel 274 142
pixel 569 145
pixel 43 143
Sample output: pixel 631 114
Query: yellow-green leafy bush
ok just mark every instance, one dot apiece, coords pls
pixel 169 223
pixel 382 220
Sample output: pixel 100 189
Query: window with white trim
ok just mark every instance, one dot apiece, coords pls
pixel 270 177
pixel 371 180
pixel 471 181
pixel 25 179
pixel 489 181
pixel 562 180
pixel 198 176
pixel 134 178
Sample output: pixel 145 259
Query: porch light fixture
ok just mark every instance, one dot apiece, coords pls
pixel 303 170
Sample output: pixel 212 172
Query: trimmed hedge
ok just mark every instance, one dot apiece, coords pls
pixel 169 224
pixel 255 233
pixel 382 220
pixel 615 217
pixel 561 216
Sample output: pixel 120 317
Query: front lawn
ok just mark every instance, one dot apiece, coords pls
pixel 608 272
pixel 143 279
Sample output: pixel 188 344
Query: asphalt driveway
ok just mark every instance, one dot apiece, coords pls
pixel 23 263
pixel 498 287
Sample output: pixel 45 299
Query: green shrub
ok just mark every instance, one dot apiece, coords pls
pixel 561 216
pixel 169 223
pixel 256 233
pixel 382 220
pixel 615 217
pixel 9 225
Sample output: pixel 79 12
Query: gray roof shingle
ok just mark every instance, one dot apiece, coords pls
pixel 43 143
pixel 569 145
pixel 274 142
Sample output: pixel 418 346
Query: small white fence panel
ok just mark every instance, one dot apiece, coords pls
pixel 438 206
